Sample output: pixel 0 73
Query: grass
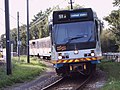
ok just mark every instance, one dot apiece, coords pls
pixel 21 71
pixel 113 73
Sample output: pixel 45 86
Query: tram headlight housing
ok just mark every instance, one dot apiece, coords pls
pixel 63 55
pixel 92 53
pixel 59 55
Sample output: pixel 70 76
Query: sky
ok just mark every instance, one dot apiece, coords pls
pixel 102 8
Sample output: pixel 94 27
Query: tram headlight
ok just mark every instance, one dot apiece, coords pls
pixel 76 52
pixel 41 57
pixel 59 57
pixel 92 54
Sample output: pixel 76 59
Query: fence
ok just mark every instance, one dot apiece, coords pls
pixel 112 56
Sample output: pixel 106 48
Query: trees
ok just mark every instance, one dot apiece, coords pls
pixel 116 3
pixel 38 30
pixel 39 25
pixel 108 41
pixel 13 38
pixel 3 40
pixel 114 22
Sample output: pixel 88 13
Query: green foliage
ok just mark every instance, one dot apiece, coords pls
pixel 76 6
pixel 34 33
pixel 114 24
pixel 13 38
pixel 116 3
pixel 3 40
pixel 108 41
pixel 40 29
pixel 112 70
pixel 23 39
pixel 21 72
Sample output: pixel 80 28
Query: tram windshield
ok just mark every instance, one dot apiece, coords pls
pixel 73 32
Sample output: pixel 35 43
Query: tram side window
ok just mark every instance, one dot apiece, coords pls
pixel 96 24
pixel 37 44
pixel 33 43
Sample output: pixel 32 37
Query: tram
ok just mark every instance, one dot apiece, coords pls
pixel 75 41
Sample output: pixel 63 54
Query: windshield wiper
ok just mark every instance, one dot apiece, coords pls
pixel 89 38
pixel 73 38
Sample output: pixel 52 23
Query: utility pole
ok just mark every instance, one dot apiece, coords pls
pixel 8 42
pixel 18 38
pixel 71 3
pixel 28 58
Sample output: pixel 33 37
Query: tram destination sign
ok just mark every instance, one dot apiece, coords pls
pixel 78 15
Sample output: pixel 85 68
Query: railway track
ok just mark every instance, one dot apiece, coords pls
pixel 69 83
pixel 85 82
pixel 52 84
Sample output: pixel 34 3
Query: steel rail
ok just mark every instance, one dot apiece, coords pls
pixel 84 82
pixel 52 84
